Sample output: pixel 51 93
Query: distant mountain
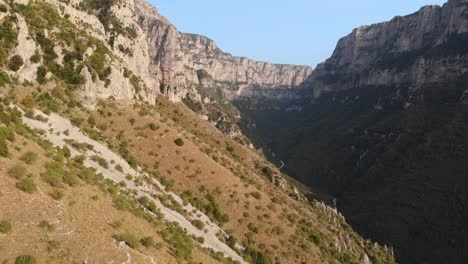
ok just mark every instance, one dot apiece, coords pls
pixel 383 126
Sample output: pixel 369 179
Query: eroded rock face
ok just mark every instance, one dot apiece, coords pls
pixel 173 63
pixel 416 49
pixel 188 60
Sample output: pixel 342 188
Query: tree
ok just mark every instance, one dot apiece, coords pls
pixel 15 63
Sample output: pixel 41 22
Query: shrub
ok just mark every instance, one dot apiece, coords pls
pixel 18 171
pixel 201 240
pixel 91 121
pixel 36 58
pixel 179 142
pixel 116 224
pixel 147 241
pixel 101 161
pixel 41 74
pixel 119 168
pixel 5 227
pixel 28 101
pixel 3 146
pixel 27 185
pixel 256 195
pixel 15 63
pixel 256 257
pixel 25 259
pixel 77 121
pixel 3 8
pixel 231 241
pixel 181 242
pixel 29 157
pixel 54 174
pixel 130 240
pixel 198 224
pixel 46 225
pixel 56 195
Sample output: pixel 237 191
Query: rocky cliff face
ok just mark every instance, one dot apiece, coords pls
pixel 170 62
pixel 188 60
pixel 423 47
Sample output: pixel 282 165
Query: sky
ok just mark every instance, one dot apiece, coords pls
pixel 301 32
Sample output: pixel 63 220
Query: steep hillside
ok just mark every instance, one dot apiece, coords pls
pixel 384 132
pixel 100 162
pixel 424 47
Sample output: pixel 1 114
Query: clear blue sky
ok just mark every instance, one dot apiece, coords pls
pixel 287 31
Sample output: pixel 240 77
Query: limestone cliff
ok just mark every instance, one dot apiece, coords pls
pixel 167 61
pixel 188 60
pixel 423 47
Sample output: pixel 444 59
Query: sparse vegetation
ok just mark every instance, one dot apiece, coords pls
pixel 179 142
pixel 29 157
pixel 198 224
pixel 46 226
pixel 3 146
pixel 5 227
pixel 27 185
pixel 25 259
pixel 130 240
pixel 17 171
pixel 148 241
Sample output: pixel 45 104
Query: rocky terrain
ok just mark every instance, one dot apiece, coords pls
pixel 107 165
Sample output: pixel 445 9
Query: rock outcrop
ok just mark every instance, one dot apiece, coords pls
pixel 419 48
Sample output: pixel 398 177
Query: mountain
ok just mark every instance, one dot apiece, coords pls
pixel 380 128
pixel 424 47
pixel 101 162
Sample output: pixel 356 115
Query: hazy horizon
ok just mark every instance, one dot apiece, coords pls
pixel 303 32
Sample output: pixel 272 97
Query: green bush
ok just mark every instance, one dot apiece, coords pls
pixel 201 240
pixel 29 157
pixel 15 63
pixel 5 227
pixel 28 101
pixel 181 242
pixel 56 195
pixel 256 257
pixel 91 121
pixel 101 161
pixel 179 142
pixel 119 168
pixel 198 224
pixel 147 241
pixel 54 174
pixel 130 239
pixel 27 185
pixel 36 58
pixel 41 74
pixel 71 178
pixel 25 259
pixel 3 146
pixel 18 171
pixel 256 195
pixel 46 225
pixel 3 8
